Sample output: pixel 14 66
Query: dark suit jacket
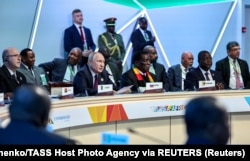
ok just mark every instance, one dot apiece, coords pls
pixel 138 40
pixel 161 75
pixel 72 39
pixel 25 133
pixel 128 78
pixel 193 77
pixel 198 141
pixel 8 83
pixel 83 81
pixel 175 77
pixel 223 67
pixel 55 69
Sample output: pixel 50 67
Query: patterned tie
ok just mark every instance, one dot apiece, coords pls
pixel 96 82
pixel 237 77
pixel 206 74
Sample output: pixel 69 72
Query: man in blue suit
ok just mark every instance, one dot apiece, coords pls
pixel 63 70
pixel 29 115
pixel 142 37
pixel 79 36
pixel 203 72
pixel 177 73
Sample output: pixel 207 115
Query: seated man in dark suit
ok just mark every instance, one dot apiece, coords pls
pixel 177 73
pixel 10 78
pixel 235 71
pixel 203 72
pixel 157 68
pixel 91 75
pixel 139 74
pixel 29 115
pixel 206 122
pixel 63 70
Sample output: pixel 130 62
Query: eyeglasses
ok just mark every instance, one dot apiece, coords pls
pixel 16 55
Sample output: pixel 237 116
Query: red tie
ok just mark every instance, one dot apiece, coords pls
pixel 81 34
pixel 96 82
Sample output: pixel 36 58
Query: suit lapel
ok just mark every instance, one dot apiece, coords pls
pixel 200 75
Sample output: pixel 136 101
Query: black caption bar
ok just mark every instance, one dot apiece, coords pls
pixel 131 152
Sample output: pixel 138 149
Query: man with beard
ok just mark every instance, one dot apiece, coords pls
pixel 203 72
pixel 156 68
pixel 139 73
pixel 63 70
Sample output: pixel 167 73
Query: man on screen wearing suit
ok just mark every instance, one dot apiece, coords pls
pixel 91 75
pixel 33 73
pixel 63 70
pixel 177 73
pixel 79 36
pixel 203 72
pixel 142 37
pixel 233 68
pixel 10 78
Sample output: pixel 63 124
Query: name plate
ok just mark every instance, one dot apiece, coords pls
pixel 105 88
pixel 206 84
pixel 154 85
pixel 62 92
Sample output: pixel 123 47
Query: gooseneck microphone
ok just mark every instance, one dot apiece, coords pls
pixel 156 140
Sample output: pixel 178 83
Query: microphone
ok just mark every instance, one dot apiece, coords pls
pixel 156 140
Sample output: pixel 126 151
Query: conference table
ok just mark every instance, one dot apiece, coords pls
pixel 154 118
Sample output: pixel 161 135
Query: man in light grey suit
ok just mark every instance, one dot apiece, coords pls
pixel 33 74
pixel 177 73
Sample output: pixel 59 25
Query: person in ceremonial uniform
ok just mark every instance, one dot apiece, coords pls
pixel 113 41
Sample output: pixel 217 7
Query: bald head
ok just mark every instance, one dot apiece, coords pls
pixel 31 103
pixel 187 59
pixel 75 56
